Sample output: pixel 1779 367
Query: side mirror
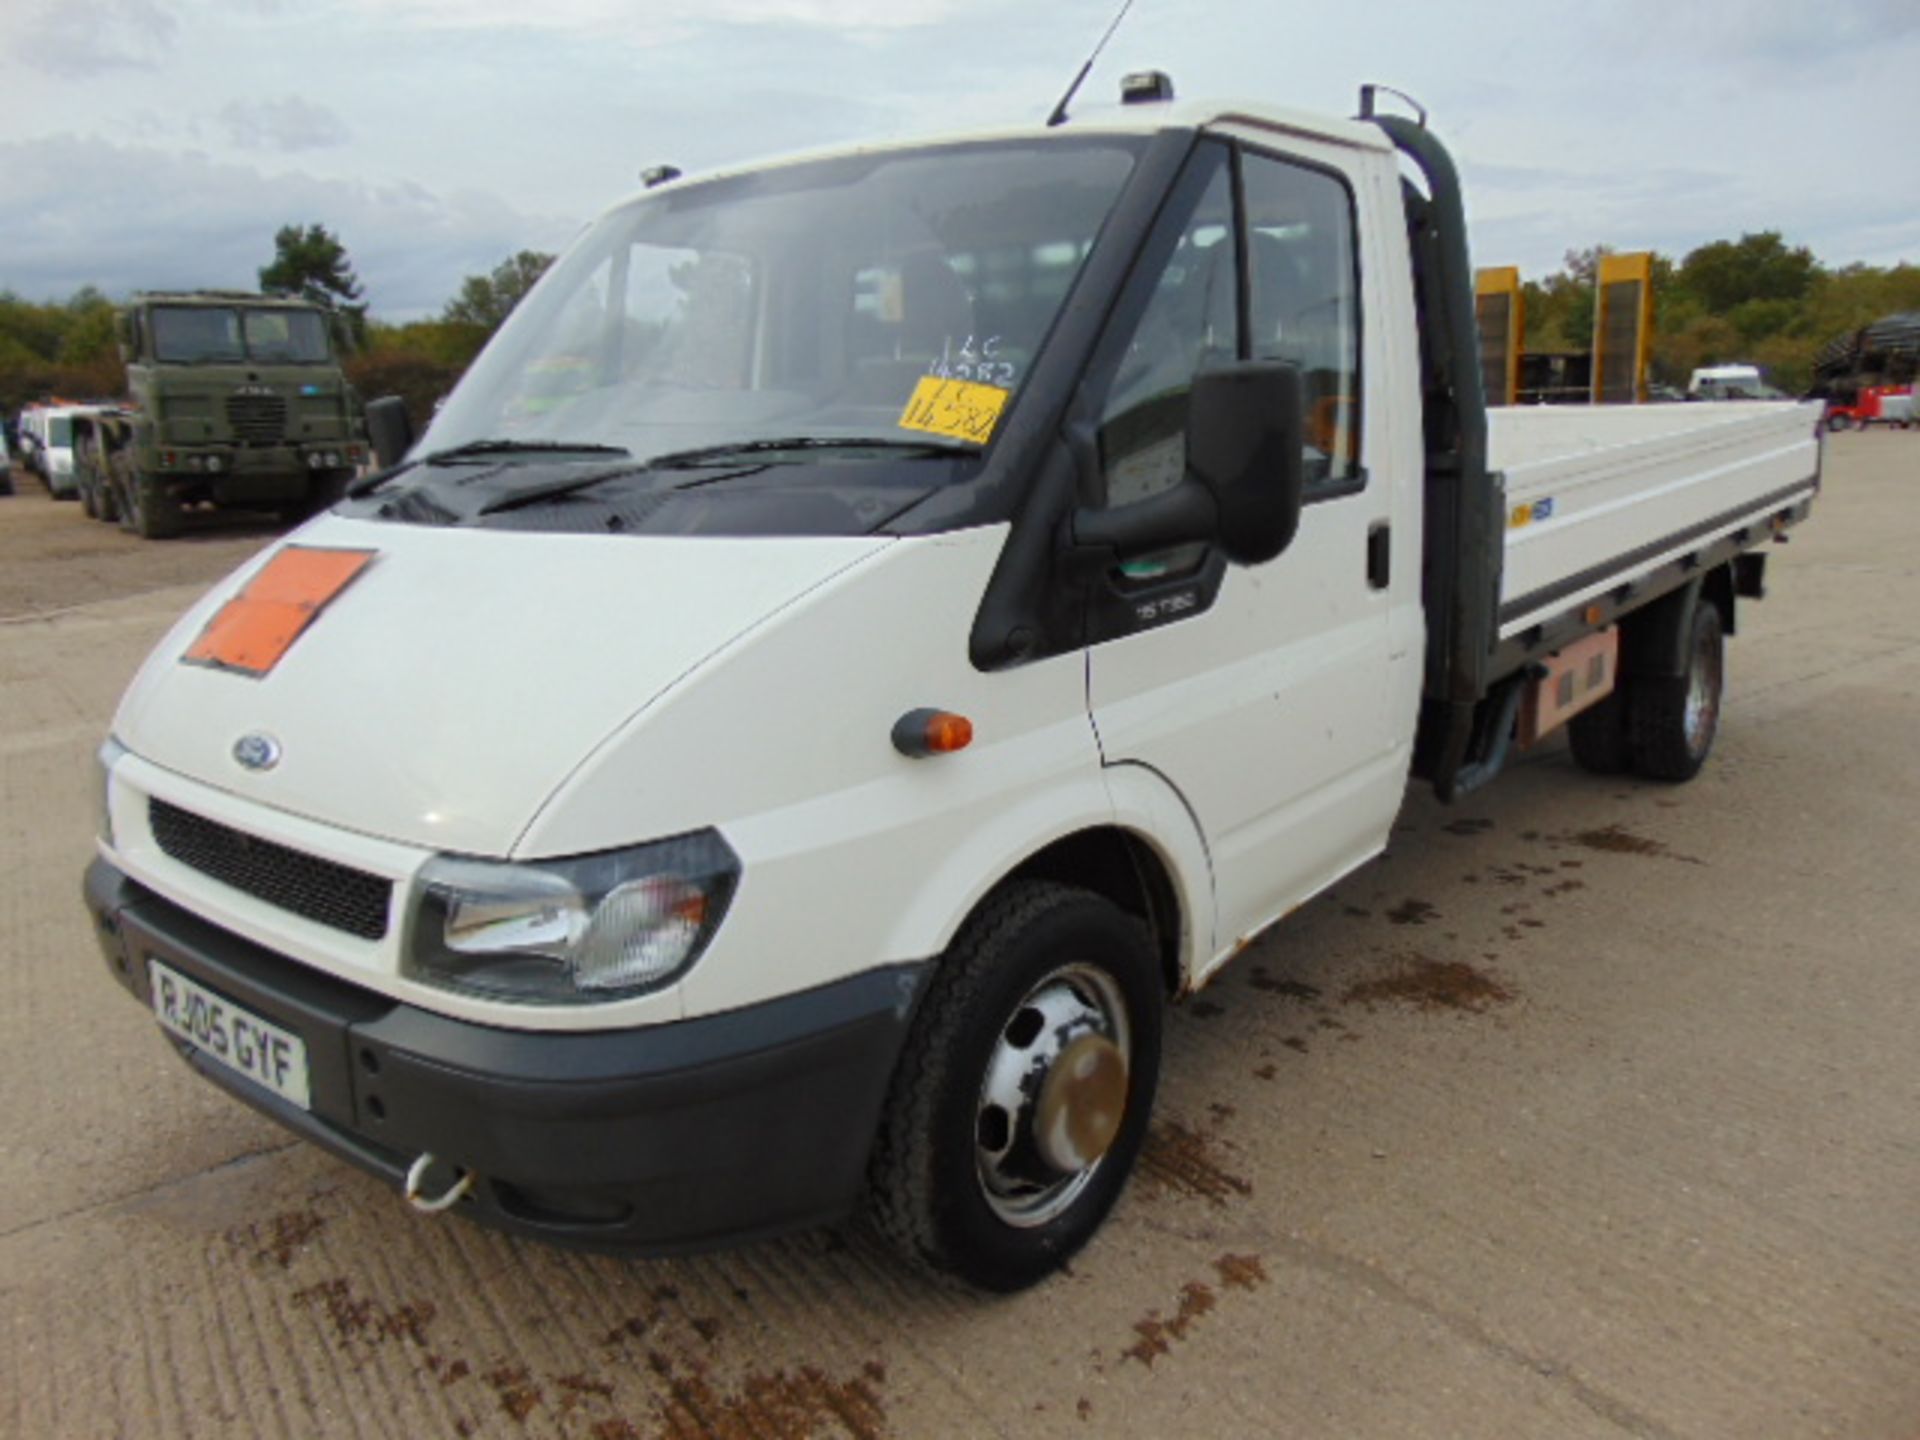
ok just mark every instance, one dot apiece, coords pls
pixel 389 430
pixel 1245 472
pixel 1245 446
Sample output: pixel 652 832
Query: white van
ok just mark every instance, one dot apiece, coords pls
pixel 868 634
pixel 1730 382
pixel 51 429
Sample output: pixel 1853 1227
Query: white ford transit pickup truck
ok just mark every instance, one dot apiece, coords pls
pixel 868 634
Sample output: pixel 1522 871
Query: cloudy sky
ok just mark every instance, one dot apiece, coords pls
pixel 149 143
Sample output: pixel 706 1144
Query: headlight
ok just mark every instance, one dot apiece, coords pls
pixel 561 932
pixel 110 751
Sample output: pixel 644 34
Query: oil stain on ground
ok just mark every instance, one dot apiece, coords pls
pixel 1157 1334
pixel 657 1374
pixel 1262 979
pixel 1413 912
pixel 1428 984
pixel 355 1318
pixel 774 1405
pixel 1181 1161
pixel 1618 840
pixel 279 1238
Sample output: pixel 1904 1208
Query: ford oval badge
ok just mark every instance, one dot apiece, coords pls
pixel 257 751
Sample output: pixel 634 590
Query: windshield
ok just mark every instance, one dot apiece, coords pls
pixel 214 335
pixel 804 302
pixel 286 337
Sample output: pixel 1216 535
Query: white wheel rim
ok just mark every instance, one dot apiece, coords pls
pixel 1023 1175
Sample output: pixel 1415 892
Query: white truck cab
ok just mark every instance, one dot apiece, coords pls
pixel 869 633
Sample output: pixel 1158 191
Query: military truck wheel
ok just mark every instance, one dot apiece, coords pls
pixel 154 512
pixel 1023 1095
pixel 106 495
pixel 325 492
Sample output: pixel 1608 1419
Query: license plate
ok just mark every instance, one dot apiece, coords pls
pixel 235 1037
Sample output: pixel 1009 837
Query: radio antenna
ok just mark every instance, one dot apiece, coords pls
pixel 1059 114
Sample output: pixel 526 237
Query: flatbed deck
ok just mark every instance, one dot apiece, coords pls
pixel 1598 496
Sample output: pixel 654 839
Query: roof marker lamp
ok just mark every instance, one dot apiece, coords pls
pixel 569 932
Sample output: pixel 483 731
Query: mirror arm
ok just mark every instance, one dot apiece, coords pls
pixel 1185 513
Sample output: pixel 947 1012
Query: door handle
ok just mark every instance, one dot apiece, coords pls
pixel 1380 555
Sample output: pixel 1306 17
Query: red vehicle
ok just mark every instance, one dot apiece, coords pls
pixel 1883 404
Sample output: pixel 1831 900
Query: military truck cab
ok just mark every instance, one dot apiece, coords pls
pixel 238 399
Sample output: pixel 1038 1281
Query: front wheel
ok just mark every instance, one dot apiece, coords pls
pixel 1671 720
pixel 152 512
pixel 1024 1088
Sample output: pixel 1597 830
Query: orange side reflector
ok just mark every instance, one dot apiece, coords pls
pixel 259 625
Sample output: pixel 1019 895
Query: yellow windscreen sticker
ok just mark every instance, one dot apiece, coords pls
pixel 958 409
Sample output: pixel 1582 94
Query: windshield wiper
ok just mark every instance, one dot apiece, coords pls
pixel 721 454
pixel 729 458
pixel 480 449
pixel 556 489
pixel 474 449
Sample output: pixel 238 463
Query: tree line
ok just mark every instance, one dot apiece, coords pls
pixel 1753 299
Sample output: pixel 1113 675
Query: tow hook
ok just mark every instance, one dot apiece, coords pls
pixel 454 1194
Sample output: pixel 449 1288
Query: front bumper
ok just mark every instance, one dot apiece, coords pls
pixel 677 1137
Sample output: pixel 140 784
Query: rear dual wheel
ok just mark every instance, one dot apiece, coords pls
pixel 1660 726
pixel 1024 1089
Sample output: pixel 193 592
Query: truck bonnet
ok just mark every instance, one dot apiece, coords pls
pixel 440 692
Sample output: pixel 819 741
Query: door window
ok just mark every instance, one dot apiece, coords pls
pixel 1187 322
pixel 1303 304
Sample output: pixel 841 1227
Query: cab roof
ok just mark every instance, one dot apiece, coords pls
pixel 222 297
pixel 1143 118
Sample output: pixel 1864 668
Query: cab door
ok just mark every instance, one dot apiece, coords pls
pixel 1268 696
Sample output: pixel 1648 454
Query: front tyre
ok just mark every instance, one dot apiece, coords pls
pixel 1672 720
pixel 153 512
pixel 1024 1089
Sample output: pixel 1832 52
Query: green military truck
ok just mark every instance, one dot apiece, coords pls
pixel 234 399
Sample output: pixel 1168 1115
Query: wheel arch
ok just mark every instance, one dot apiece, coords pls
pixel 1122 868
pixel 1123 832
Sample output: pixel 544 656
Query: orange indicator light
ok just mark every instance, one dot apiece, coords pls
pixel 920 733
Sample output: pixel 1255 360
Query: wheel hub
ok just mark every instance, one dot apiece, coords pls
pixel 1082 1101
pixel 1054 1095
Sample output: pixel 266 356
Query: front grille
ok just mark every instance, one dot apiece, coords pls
pixel 319 890
pixel 257 419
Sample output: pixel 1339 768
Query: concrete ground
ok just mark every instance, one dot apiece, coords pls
pixel 1593 1109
